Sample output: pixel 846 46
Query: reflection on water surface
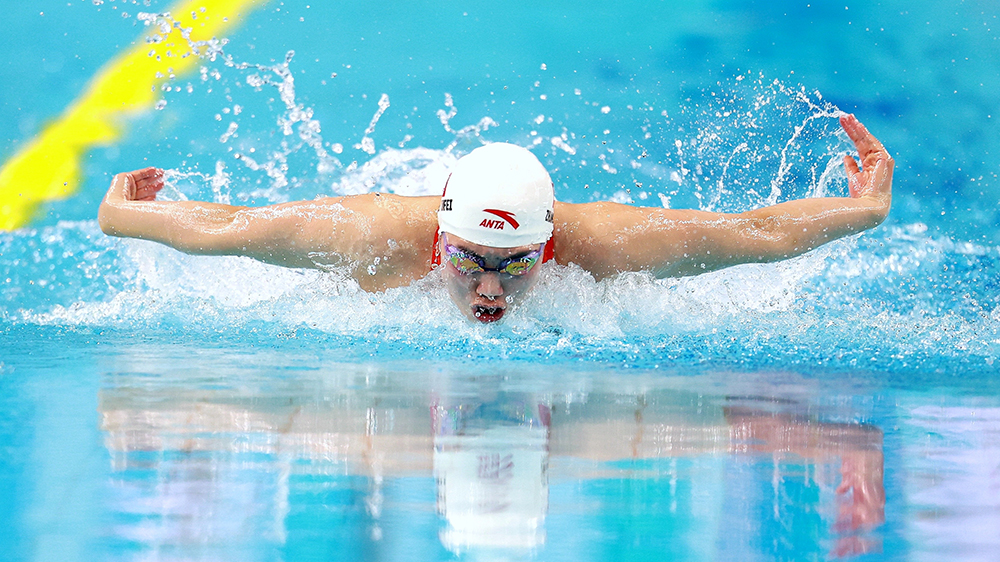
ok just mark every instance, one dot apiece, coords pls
pixel 370 464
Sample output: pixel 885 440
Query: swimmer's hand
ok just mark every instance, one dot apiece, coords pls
pixel 608 238
pixel 875 180
pixel 138 185
pixel 861 505
pixel 862 481
pixel 127 188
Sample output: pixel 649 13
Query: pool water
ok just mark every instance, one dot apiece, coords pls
pixel 843 404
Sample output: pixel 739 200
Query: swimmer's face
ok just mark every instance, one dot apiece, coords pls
pixel 484 295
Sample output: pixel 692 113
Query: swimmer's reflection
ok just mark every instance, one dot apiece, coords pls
pixel 860 493
pixel 491 468
pixel 200 470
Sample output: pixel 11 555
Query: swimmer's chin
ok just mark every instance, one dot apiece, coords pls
pixel 487 315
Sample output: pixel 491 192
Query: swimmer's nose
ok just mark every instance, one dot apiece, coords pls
pixel 489 285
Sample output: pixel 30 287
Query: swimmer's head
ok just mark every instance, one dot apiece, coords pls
pixel 494 220
pixel 498 195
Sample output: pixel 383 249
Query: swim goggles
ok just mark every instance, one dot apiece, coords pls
pixel 468 263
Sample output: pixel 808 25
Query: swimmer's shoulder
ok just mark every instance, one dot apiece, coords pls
pixel 581 233
pixel 422 205
pixel 585 216
pixel 605 238
pixel 393 233
pixel 381 213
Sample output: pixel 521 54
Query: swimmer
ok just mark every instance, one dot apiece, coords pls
pixel 496 222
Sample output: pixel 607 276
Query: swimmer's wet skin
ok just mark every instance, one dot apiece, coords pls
pixel 498 209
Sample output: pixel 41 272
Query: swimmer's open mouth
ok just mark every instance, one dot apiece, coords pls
pixel 487 314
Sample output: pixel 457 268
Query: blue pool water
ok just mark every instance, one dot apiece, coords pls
pixel 158 406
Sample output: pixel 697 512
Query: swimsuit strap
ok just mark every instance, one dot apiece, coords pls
pixel 436 251
pixel 549 253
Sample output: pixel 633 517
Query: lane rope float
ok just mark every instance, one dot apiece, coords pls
pixel 48 167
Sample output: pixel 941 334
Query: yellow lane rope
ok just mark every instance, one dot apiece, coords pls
pixel 48 167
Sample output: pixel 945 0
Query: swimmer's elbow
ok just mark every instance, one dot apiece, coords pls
pixel 765 239
pixel 217 241
pixel 778 240
pixel 205 230
pixel 237 231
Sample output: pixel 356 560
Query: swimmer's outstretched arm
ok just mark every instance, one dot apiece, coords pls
pixel 351 232
pixel 608 238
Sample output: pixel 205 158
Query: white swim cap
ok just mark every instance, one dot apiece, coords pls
pixel 498 195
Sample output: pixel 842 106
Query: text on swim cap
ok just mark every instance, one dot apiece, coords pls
pixel 495 224
pixel 505 215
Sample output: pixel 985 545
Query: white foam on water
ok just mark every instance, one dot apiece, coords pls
pixel 229 291
pixel 799 307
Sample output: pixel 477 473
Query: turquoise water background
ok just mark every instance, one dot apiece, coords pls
pixel 112 351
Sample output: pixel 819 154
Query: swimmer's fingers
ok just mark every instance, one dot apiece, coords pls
pixel 868 146
pixel 876 178
pixel 146 173
pixel 854 177
pixel 861 477
pixel 145 184
pixel 845 485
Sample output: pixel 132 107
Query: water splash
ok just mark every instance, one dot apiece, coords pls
pixel 756 142
pixel 872 303
pixel 367 144
pixel 897 297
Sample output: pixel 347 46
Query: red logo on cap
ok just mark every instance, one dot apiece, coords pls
pixel 505 215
